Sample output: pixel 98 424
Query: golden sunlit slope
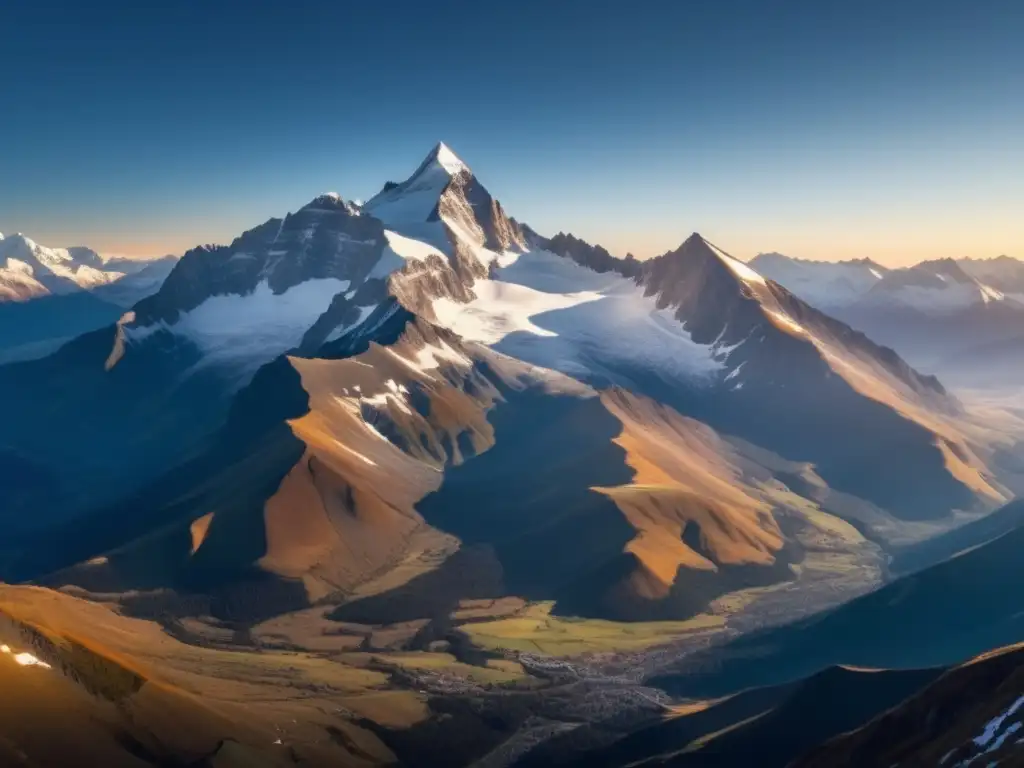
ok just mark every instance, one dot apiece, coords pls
pixel 114 691
pixel 683 476
pixel 418 474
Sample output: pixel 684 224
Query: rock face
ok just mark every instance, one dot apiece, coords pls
pixel 325 239
pixel 591 256
pixel 479 332
pixel 970 716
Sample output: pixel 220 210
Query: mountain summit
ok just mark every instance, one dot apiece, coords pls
pixel 29 270
pixel 362 435
pixel 401 333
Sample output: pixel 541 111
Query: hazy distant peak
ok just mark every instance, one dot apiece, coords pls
pixel 776 258
pixel 944 269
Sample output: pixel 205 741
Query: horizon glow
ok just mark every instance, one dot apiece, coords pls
pixel 818 131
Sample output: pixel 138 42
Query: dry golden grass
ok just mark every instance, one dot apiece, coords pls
pixel 535 630
pixel 685 473
pixel 190 698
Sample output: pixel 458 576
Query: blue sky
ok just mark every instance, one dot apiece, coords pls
pixel 821 129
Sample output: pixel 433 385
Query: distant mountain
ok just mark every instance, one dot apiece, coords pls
pixel 1003 273
pixel 826 285
pixel 141 279
pixel 932 287
pixel 50 295
pixel 28 270
pixel 932 313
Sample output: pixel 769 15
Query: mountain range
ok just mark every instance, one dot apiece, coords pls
pixel 937 314
pixel 50 295
pixel 494 498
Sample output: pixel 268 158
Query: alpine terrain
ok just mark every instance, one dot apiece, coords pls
pixel 408 482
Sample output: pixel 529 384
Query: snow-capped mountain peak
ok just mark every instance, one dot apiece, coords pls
pixel 823 284
pixel 28 269
pixel 1002 273
pixel 438 168
pixel 448 160
pixel 933 287
pixel 415 200
pixel 444 205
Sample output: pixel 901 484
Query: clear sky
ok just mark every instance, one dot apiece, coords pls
pixel 885 128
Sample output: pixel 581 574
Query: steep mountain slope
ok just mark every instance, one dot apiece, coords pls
pixel 693 329
pixel 666 514
pixel 86 686
pixel 970 716
pixel 700 331
pixel 418 427
pixel 125 402
pixel 937 616
pixel 775 724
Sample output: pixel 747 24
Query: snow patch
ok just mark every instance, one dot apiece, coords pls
pixel 432 355
pixel 992 726
pixel 990 294
pixel 735 371
pixel 341 330
pixel 249 330
pixel 554 313
pixel 23 659
pixel 449 160
pixel 29 660
pixel 395 395
pixel 501 309
pixel 400 250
